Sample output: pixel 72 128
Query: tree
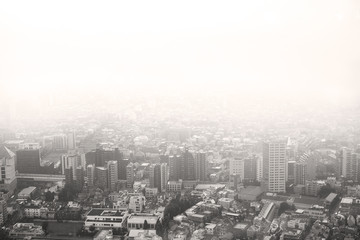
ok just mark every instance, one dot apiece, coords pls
pixel 4 235
pixel 159 228
pixel 284 206
pixel 92 228
pixel 49 196
pixel 146 225
pixel 45 226
pixel 325 191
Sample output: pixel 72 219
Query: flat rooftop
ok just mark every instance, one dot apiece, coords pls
pixel 151 219
pixel 105 212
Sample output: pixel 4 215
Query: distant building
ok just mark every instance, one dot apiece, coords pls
pixel 7 166
pixel 71 140
pixel 250 168
pixel 101 177
pixel 137 221
pixel 137 203
pixel 112 167
pixel 60 142
pixel 28 158
pixel 236 167
pixel 201 166
pixel 130 175
pixel 27 193
pixel 3 211
pixel 300 173
pixel 274 166
pixel 90 174
pixel 164 170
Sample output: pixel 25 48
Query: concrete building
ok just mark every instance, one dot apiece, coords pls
pixel 23 230
pixel 101 177
pixel 112 167
pixel 28 158
pixel 130 175
pixel 7 166
pixel 201 166
pixel 274 166
pixel 164 170
pixel 300 173
pixel 60 142
pixel 259 169
pixel 105 218
pixel 90 174
pixel 3 211
pixel 137 221
pixel 27 193
pixel 137 203
pixel 236 168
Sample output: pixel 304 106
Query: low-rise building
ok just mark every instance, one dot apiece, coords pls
pixel 105 218
pixel 137 203
pixel 136 221
pixel 151 192
pixel 174 186
pixel 225 202
pixel 27 193
pixel 22 230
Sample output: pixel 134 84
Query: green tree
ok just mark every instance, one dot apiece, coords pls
pixel 325 191
pixel 91 228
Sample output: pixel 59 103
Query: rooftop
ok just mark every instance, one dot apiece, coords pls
pixel 27 191
pixel 105 212
pixel 151 219
pixel 6 153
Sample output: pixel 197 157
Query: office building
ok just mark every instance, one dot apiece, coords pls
pixel 101 177
pixel 201 166
pixel 164 170
pixel 274 166
pixel 259 169
pixel 112 167
pixel 250 164
pixel 28 158
pixel 174 167
pixel 60 142
pixel 90 174
pixel 3 211
pixel 102 155
pixel 349 164
pixel 130 175
pixel 236 167
pixel 71 140
pixel 291 171
pixel 7 166
pixel 122 163
pixel 300 173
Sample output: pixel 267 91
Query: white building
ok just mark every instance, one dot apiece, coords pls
pixel 136 221
pixel 105 218
pixel 174 186
pixel 137 203
pixel 274 166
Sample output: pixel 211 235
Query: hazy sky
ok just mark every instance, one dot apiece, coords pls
pixel 296 48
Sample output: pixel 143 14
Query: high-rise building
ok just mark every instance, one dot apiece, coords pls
pixel 250 168
pixel 174 167
pixel 71 140
pixel 7 166
pixel 348 163
pixel 101 177
pixel 157 177
pixel 79 175
pixel 90 174
pixel 291 171
pixel 274 166
pixel 3 211
pixel 201 166
pixel 122 163
pixel 311 160
pixel 112 167
pixel 187 167
pixel 28 158
pixel 130 175
pixel 69 175
pixel 60 142
pixel 300 173
pixel 259 169
pixel 236 167
pixel 164 170
pixel 102 155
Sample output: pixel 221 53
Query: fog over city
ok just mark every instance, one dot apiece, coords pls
pixel 180 119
